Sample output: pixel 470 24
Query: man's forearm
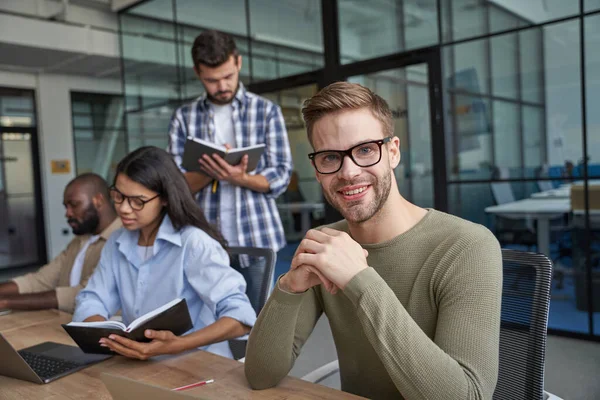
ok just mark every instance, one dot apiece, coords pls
pixel 279 333
pixel 197 181
pixel 257 182
pixel 30 301
pixel 8 288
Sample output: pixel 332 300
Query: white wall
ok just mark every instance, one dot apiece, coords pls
pixel 56 139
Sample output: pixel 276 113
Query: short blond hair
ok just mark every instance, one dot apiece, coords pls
pixel 342 96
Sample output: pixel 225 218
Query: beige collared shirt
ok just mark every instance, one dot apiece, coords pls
pixel 56 275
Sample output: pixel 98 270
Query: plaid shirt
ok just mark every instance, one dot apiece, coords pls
pixel 255 120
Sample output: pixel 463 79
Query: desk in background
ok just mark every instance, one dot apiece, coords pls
pixel 24 329
pixel 540 210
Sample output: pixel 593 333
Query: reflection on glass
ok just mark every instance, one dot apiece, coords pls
pixel 407 94
pixel 301 206
pixel 534 105
pixel 374 28
pixel 591 5
pixel 98 133
pixel 592 88
pixel 286 37
pixel 16 108
pixel 225 15
pixel 463 19
pixel 507 152
pixel 150 59
pixel 149 127
pixel 19 228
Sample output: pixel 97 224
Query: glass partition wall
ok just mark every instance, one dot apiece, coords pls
pixel 22 238
pixel 494 102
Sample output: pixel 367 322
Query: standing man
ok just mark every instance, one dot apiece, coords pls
pixel 240 202
pixel 412 295
pixel 92 218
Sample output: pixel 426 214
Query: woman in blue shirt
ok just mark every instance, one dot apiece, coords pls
pixel 165 250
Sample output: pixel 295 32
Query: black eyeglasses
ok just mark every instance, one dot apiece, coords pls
pixel 135 202
pixel 364 155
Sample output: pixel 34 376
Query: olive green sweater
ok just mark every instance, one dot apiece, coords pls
pixel 422 322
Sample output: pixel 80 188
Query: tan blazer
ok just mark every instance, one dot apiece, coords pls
pixel 56 275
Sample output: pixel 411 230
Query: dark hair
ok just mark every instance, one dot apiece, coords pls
pixel 155 169
pixel 213 48
pixel 94 183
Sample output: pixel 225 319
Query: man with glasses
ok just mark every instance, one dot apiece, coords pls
pixel 92 219
pixel 412 295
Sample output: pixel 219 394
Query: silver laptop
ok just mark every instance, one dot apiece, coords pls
pixel 125 389
pixel 44 362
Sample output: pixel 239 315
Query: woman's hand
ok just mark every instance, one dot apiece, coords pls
pixel 163 342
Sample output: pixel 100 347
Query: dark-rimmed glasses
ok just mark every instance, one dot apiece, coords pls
pixel 135 202
pixel 364 155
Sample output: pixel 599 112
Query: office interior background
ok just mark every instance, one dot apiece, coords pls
pixel 495 103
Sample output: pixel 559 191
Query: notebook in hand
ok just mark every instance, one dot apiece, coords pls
pixel 173 316
pixel 195 148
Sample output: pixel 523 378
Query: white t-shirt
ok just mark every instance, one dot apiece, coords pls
pixel 75 277
pixel 224 133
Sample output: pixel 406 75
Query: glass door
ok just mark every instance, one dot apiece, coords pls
pixel 22 240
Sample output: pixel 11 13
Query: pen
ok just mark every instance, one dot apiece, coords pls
pixel 193 385
pixel 216 182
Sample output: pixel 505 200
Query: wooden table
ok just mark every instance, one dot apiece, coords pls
pixel 24 329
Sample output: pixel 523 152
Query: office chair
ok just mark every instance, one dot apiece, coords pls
pixel 510 230
pixel 259 293
pixel 524 320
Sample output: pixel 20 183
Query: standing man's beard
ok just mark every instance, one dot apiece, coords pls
pixel 216 100
pixel 89 224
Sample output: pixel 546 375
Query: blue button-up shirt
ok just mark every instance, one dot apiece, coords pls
pixel 186 264
pixel 256 120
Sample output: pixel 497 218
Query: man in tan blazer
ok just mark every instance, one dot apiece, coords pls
pixel 92 218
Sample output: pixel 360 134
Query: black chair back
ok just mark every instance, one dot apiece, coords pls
pixel 525 302
pixel 258 292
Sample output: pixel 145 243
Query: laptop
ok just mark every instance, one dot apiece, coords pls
pixel 44 362
pixel 125 389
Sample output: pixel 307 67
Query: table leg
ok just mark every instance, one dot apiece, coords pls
pixel 543 236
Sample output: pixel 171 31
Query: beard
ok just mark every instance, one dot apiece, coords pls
pixel 219 101
pixel 88 224
pixel 357 211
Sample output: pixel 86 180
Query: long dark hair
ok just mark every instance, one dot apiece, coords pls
pixel 155 169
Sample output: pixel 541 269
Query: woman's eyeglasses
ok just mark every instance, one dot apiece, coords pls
pixel 135 202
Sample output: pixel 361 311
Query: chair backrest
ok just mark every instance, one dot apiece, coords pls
pixel 258 291
pixel 502 192
pixel 545 185
pixel 525 303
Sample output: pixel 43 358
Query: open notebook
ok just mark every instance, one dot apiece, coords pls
pixel 173 316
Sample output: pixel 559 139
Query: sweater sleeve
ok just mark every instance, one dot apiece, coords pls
pixel 48 277
pixel 282 328
pixel 461 362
